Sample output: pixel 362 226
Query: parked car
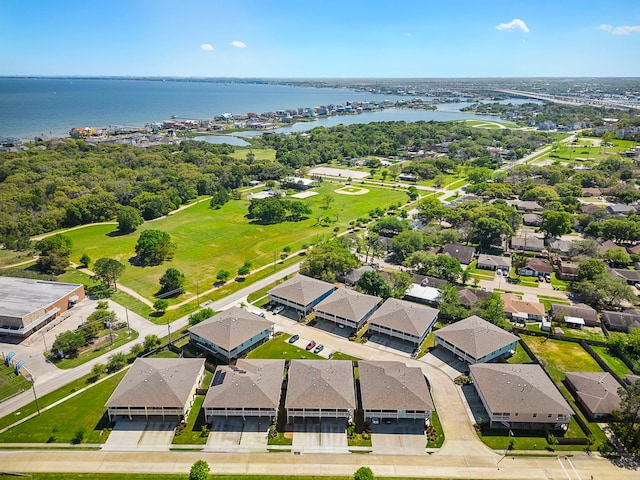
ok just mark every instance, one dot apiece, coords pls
pixel 277 310
pixel 294 338
pixel 541 278
pixel 310 345
pixel 499 272
pixel 505 273
pixel 318 348
pixel 547 278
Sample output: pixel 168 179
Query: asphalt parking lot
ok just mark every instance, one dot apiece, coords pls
pixel 398 437
pixel 313 436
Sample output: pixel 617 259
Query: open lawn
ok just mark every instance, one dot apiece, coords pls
pixel 209 240
pixel 521 356
pixel 101 346
pixel 278 347
pixel 63 424
pixel 11 257
pixel 612 361
pixel 10 383
pixel 241 153
pixel 192 433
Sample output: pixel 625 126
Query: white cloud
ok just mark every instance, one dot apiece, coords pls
pixel 515 24
pixel 623 30
pixel 238 44
pixel 207 47
pixel 408 34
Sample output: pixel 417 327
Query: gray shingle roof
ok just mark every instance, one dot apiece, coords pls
pixel 404 316
pixel 494 260
pixel 248 384
pixel 580 310
pixel 302 289
pixel 157 382
pixel 231 327
pixel 463 253
pixel 347 304
pixel 393 386
pixel 475 336
pixel 597 390
pixel 321 384
pixel 518 388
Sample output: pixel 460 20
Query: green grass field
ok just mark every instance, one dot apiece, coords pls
pixel 62 423
pixel 520 356
pixel 560 357
pixel 613 362
pixel 10 383
pixel 210 240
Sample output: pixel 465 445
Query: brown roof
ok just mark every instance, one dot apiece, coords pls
pixel 531 218
pixel 157 382
pixel 621 321
pixel 494 260
pixel 523 388
pixel 248 384
pixel 628 275
pixel 513 304
pixel 321 384
pixel 404 316
pixel 463 253
pixel 635 250
pixel 347 304
pixel 302 290
pixel 426 281
pixel 528 205
pixel 393 386
pixel 590 207
pixel 527 242
pixel 475 336
pixel 540 265
pixel 231 327
pixel 597 390
pixel 607 245
pixel 591 192
pixel 468 296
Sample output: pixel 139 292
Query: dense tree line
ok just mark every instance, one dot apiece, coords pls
pixel 69 182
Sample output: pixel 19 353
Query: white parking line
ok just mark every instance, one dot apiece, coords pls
pixel 564 469
pixel 574 468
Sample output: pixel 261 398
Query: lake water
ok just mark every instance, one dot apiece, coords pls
pixel 52 106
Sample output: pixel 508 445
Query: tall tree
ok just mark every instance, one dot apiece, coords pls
pixel 172 282
pixel 54 252
pixel 154 247
pixel 108 270
pixel 129 219
pixel 556 223
pixel 627 418
pixel 372 283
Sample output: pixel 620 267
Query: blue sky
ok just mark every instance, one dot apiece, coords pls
pixel 301 39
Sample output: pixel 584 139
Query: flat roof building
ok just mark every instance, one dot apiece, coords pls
pixel 347 307
pixel 393 390
pixel 301 293
pixel 520 396
pixel 157 386
pixel 474 340
pixel 231 333
pixel 320 389
pixel 403 320
pixel 251 388
pixel 27 305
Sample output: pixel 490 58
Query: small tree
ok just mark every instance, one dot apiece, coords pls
pixel 116 362
pixel 223 275
pixel 363 473
pixel 151 342
pixel 199 471
pixel 161 305
pixel 97 370
pixel 172 282
pixel 136 350
pixel 108 270
pixel 85 260
pixel 129 219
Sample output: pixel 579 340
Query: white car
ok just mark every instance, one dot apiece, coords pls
pixel 499 272
pixel 278 309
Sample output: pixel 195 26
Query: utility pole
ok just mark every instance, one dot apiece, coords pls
pixel 33 386
pixel 45 343
pixel 169 330
pixel 126 312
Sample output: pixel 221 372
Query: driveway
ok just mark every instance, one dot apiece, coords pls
pixel 225 434
pixel 141 435
pixel 398 437
pixel 313 436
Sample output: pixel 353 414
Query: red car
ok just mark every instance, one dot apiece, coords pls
pixel 311 344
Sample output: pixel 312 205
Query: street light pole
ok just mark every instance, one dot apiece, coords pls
pixel 45 343
pixel 169 329
pixel 33 386
pixel 126 312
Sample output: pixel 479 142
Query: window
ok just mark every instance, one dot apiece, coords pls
pixel 535 415
pixel 516 414
pixel 549 415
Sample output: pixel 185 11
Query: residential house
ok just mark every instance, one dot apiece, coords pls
pixel 301 293
pixel 559 247
pixel 591 192
pixel 403 320
pixel 559 313
pixel 606 246
pixel 621 321
pixel 493 262
pixel 320 389
pixel 426 281
pixel 392 390
pixel 635 250
pixel 620 209
pixel 528 206
pixel 520 396
pixel 527 244
pixel 567 271
pixel 463 253
pixel 522 310
pixel 532 219
pixel 595 392
pixel 232 333
pixel 347 307
pixel 536 267
pixel 630 276
pixel 163 387
pixel 474 340
pixel 469 297
pixel 352 276
pixel 590 207
pixel 250 388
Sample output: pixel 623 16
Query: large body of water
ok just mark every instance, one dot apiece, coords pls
pixel 36 106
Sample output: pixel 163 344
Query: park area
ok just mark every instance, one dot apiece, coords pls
pixel 209 240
